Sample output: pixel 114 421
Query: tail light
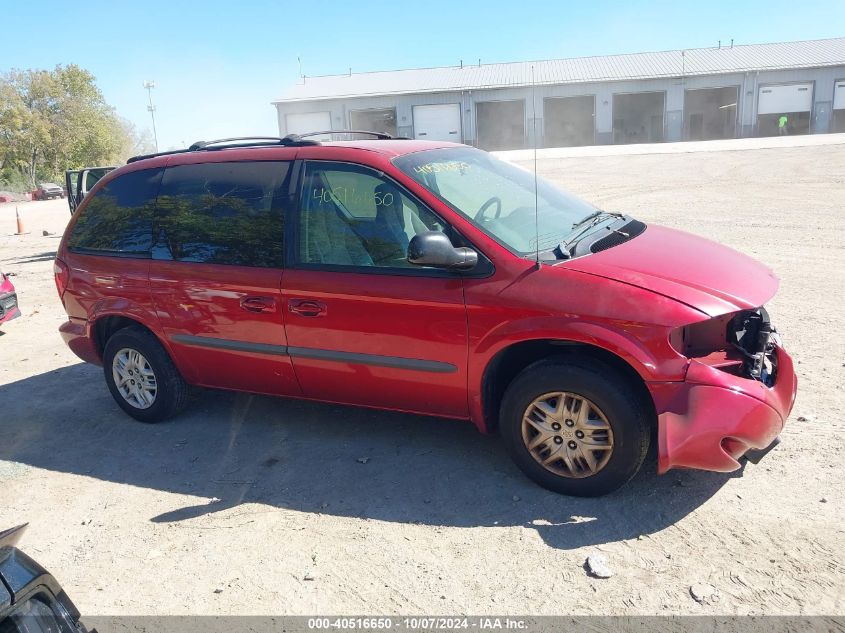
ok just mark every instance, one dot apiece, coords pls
pixel 61 273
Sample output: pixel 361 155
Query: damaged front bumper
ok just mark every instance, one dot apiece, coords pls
pixel 9 307
pixel 714 417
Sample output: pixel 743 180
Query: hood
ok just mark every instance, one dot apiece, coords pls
pixel 707 276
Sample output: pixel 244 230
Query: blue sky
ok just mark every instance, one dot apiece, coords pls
pixel 217 65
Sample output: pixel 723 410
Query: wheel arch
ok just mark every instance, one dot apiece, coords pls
pixel 511 360
pixel 106 322
pixel 105 326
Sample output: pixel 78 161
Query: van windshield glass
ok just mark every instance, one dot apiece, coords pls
pixel 497 196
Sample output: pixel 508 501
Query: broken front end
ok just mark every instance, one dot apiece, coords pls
pixel 738 390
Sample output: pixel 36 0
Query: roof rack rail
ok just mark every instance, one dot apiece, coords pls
pixel 154 154
pixel 291 140
pixel 241 140
pixel 235 141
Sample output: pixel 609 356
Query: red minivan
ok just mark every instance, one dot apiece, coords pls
pixel 431 278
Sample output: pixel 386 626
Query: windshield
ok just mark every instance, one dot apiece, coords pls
pixel 497 196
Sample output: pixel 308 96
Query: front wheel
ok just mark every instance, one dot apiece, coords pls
pixel 575 427
pixel 141 377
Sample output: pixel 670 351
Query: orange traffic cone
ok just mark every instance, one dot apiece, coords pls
pixel 19 221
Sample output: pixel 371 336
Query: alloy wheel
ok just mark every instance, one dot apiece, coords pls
pixel 134 378
pixel 567 434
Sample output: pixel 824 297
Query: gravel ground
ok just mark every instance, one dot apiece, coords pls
pixel 250 505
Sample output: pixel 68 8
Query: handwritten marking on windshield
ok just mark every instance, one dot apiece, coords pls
pixel 433 168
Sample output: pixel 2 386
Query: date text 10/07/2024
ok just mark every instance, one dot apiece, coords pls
pixel 418 623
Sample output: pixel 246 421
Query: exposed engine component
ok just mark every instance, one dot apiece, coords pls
pixel 741 343
pixel 751 332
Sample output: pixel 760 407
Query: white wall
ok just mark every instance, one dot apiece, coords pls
pixel 749 83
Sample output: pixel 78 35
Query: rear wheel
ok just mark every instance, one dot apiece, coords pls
pixel 141 377
pixel 575 427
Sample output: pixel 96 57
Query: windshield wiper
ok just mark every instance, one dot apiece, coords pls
pixel 591 220
pixel 595 215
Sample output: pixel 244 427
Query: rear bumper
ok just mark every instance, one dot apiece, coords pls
pixel 77 336
pixel 713 418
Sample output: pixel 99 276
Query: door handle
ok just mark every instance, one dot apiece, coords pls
pixel 258 304
pixel 307 307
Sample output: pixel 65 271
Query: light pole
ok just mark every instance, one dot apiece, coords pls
pixel 149 85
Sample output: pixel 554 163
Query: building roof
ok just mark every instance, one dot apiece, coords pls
pixel 692 61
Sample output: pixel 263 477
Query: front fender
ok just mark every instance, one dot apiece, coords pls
pixel 648 352
pixel 645 348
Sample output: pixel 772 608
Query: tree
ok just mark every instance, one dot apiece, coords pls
pixel 55 120
pixel 135 142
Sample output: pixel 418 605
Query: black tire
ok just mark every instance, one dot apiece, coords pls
pixel 171 389
pixel 626 412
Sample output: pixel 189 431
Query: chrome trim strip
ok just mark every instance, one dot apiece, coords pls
pixel 396 362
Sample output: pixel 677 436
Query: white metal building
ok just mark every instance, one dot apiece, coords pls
pixel 693 94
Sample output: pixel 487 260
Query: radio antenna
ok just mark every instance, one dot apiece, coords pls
pixel 536 194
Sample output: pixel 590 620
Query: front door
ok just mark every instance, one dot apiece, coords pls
pixel 216 273
pixel 363 325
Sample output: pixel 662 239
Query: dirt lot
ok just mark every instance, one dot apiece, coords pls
pixel 253 505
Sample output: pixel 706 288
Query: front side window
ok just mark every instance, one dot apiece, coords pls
pixel 118 220
pixel 223 213
pixel 352 216
pixel 497 196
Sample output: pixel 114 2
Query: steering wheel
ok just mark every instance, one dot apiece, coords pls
pixel 480 217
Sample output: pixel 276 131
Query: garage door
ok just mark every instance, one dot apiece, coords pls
pixel 374 120
pixel 839 106
pixel 839 95
pixel 308 122
pixel 500 124
pixel 785 98
pixel 568 121
pixel 438 122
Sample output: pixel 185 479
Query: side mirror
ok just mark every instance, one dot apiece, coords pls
pixel 433 248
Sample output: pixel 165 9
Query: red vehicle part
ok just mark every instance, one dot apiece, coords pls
pixel 713 417
pixel 434 345
pixel 8 300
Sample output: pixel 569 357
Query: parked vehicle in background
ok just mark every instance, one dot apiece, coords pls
pixel 8 299
pixel 425 277
pixel 79 182
pixel 31 599
pixel 48 191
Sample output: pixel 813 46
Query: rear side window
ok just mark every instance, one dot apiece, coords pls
pixel 223 213
pixel 119 219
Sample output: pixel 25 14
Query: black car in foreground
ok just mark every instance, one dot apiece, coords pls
pixel 31 600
